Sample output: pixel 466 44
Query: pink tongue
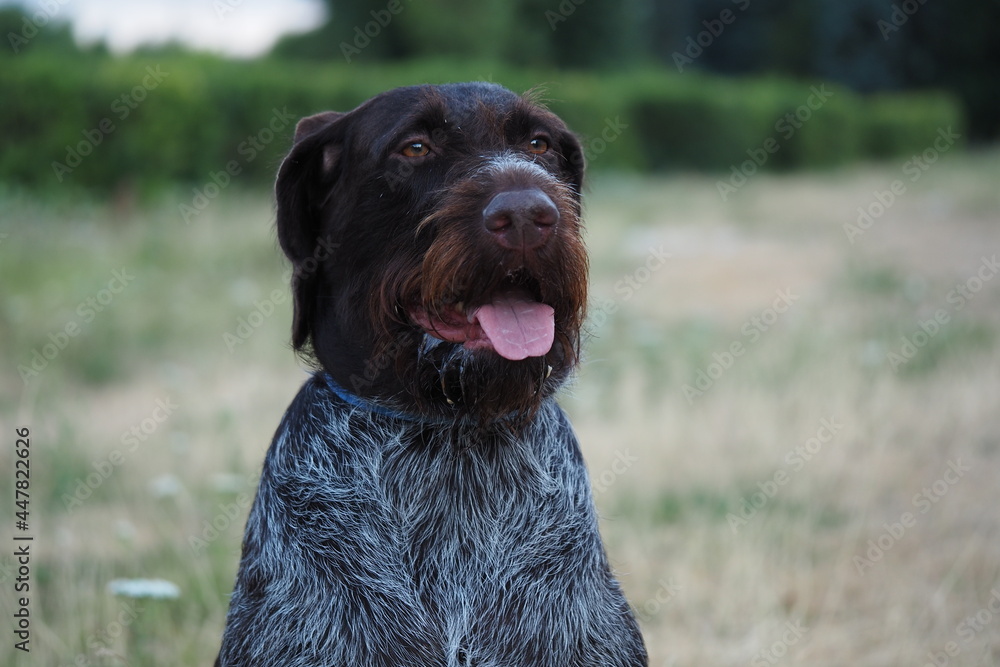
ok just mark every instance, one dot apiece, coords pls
pixel 517 326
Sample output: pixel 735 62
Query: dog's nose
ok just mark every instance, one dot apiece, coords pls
pixel 521 219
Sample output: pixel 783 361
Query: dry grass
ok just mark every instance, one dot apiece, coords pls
pixel 670 469
pixel 732 587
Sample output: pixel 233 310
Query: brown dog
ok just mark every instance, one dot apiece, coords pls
pixel 424 501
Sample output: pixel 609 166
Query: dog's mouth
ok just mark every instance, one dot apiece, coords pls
pixel 513 323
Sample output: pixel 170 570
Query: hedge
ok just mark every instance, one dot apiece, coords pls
pixel 99 121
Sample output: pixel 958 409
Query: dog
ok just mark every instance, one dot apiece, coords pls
pixel 424 500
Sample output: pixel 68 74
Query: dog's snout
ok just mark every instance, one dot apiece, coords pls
pixel 521 219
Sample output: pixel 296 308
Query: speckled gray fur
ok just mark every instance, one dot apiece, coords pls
pixel 376 540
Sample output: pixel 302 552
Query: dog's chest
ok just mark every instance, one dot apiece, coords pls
pixel 486 549
pixel 481 510
pixel 478 528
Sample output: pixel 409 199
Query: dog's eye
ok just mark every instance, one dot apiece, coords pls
pixel 538 145
pixel 416 149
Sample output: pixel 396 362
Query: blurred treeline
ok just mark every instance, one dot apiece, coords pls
pixel 649 84
pixel 865 45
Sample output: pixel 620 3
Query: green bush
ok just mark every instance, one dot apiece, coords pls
pixel 907 123
pixel 714 124
pixel 693 122
pixel 832 133
pixel 98 121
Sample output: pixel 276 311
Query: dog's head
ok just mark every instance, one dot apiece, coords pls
pixel 435 238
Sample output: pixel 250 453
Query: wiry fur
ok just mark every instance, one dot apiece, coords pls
pixel 380 541
pixel 425 503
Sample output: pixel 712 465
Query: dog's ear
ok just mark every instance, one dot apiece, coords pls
pixel 305 180
pixel 311 124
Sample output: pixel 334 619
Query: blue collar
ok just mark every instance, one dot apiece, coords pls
pixel 371 406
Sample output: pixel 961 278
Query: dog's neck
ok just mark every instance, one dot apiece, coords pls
pixel 447 416
pixel 374 406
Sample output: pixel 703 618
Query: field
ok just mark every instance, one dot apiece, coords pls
pixel 791 417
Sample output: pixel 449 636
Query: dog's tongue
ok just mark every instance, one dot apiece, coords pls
pixel 517 326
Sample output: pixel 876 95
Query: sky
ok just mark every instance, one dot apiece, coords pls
pixel 240 28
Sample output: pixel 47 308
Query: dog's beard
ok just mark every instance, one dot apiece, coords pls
pixel 481 383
